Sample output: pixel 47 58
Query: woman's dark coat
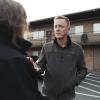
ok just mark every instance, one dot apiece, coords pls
pixel 17 76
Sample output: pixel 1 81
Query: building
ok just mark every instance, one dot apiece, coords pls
pixel 85 30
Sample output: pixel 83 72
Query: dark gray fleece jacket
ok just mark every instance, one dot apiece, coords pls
pixel 64 68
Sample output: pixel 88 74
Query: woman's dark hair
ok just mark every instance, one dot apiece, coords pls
pixel 12 20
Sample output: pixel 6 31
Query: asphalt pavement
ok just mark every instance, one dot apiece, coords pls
pixel 89 89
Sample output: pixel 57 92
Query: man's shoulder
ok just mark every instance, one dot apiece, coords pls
pixel 76 46
pixel 48 44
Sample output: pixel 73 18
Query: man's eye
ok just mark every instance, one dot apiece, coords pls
pixel 55 26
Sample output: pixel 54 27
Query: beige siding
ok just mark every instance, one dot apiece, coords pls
pixel 88 51
pixel 97 58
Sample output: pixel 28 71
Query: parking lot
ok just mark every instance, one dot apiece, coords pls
pixel 89 89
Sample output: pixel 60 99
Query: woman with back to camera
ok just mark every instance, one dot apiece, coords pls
pixel 17 73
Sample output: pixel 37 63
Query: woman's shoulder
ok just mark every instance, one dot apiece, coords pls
pixel 7 52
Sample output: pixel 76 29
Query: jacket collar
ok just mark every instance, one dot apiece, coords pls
pixel 23 44
pixel 68 42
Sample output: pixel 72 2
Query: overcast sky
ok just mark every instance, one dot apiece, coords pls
pixel 40 9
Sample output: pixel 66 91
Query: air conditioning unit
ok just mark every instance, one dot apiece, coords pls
pixel 84 38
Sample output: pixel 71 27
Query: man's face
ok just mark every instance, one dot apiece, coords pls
pixel 60 28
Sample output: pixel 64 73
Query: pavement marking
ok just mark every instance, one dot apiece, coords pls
pixel 94 77
pixel 92 80
pixel 88 74
pixel 89 89
pixel 94 96
pixel 94 74
pixel 91 84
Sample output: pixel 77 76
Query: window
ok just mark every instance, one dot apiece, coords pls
pixel 96 28
pixel 78 30
pixel 38 35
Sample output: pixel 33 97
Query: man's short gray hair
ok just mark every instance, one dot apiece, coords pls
pixel 63 17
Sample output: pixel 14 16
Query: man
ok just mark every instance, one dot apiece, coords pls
pixel 63 62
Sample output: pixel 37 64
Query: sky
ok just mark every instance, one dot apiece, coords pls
pixel 41 9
